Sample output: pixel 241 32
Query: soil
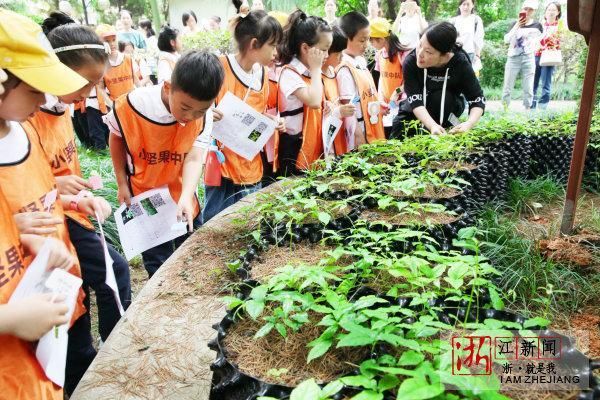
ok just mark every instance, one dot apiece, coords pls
pixel 384 159
pixel 260 358
pixel 279 256
pixel 569 249
pixel 452 165
pixel 430 192
pixel 396 218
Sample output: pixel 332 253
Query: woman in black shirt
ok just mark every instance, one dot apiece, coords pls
pixel 438 76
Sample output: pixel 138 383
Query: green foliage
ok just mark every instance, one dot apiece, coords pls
pixel 493 58
pixel 495 31
pixel 219 42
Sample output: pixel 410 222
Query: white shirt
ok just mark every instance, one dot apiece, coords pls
pixel 410 31
pixel 253 79
pixel 289 82
pixel 15 145
pixel 347 86
pixel 470 32
pixel 148 102
pixel 164 69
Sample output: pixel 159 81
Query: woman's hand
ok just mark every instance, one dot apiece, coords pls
pixel 95 207
pixel 71 184
pixel 37 223
pixel 437 130
pixel 462 127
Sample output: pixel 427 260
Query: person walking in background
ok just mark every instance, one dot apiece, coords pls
pixel 190 23
pixel 409 23
pixel 470 29
pixel 522 39
pixel 169 44
pixel 330 11
pixel 553 29
pixel 128 34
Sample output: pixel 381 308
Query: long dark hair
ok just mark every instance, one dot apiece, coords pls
pixel 62 31
pixel 187 15
pixel 146 24
pixel 394 45
pixel 164 39
pixel 300 29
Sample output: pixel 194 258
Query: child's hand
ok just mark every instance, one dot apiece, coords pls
pixel 327 108
pixel 385 108
pixel 124 194
pixel 280 122
pixel 29 319
pixel 217 115
pixel 37 223
pixel 60 256
pixel 185 211
pixel 71 184
pixel 315 58
pixel 95 206
pixel 347 110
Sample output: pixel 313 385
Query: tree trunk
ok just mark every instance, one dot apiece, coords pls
pixel 85 14
pixel 391 9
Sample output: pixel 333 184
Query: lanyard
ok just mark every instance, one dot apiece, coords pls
pixel 443 103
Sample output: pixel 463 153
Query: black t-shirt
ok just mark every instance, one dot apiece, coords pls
pixel 461 80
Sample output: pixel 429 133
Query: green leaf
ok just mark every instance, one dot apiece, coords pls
pixel 368 395
pixel 359 381
pixel 259 292
pixel 354 339
pixel 324 217
pixel 388 382
pixel 264 330
pixel 307 390
pixel 497 302
pixel 411 357
pixel 331 388
pixel 281 329
pixel 537 321
pixel 418 389
pixel 254 308
pixel 321 188
pixel 319 348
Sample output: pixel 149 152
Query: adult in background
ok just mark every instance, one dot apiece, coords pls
pixel 438 76
pixel 257 5
pixel 213 24
pixel 522 42
pixel 169 44
pixel 330 11
pixel 190 23
pixel 374 9
pixel 128 34
pixel 470 29
pixel 409 23
pixel 553 29
pixel 151 48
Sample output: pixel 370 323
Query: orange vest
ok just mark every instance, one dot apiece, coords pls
pixel 235 167
pixel 21 376
pixel 312 135
pixel 157 150
pixel 25 185
pixel 55 131
pixel 366 88
pixel 390 77
pixel 273 100
pixel 119 79
pixel 332 94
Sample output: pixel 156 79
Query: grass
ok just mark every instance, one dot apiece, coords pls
pixel 523 195
pixel 560 91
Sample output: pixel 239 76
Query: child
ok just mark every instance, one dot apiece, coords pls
pixel 140 67
pixel 121 77
pixel 246 76
pixel 32 69
pixel 55 131
pixel 169 44
pixel 389 64
pixel 356 83
pixel 154 139
pixel 302 52
pixel 332 94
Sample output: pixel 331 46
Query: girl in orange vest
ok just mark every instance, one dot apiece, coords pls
pixel 158 137
pixel 332 93
pixel 80 49
pixel 356 84
pixel 25 176
pixel 302 53
pixel 246 76
pixel 169 44
pixel 389 59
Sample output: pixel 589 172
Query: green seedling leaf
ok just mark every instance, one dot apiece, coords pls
pixel 264 330
pixel 324 217
pixel 418 389
pixel 411 357
pixel 307 390
pixel 319 348
pixel 537 321
pixel 254 308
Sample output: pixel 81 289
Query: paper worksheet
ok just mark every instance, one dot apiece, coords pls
pixel 242 128
pixel 150 220
pixel 331 127
pixel 110 279
pixel 51 350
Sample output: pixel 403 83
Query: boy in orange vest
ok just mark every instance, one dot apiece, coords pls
pixel 356 84
pixel 155 140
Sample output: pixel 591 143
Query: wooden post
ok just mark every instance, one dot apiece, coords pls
pixel 589 26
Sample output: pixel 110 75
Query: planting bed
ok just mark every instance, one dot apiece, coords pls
pixel 340 282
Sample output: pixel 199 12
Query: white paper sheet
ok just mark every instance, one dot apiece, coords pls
pixel 331 127
pixel 51 350
pixel 147 222
pixel 110 279
pixel 242 129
